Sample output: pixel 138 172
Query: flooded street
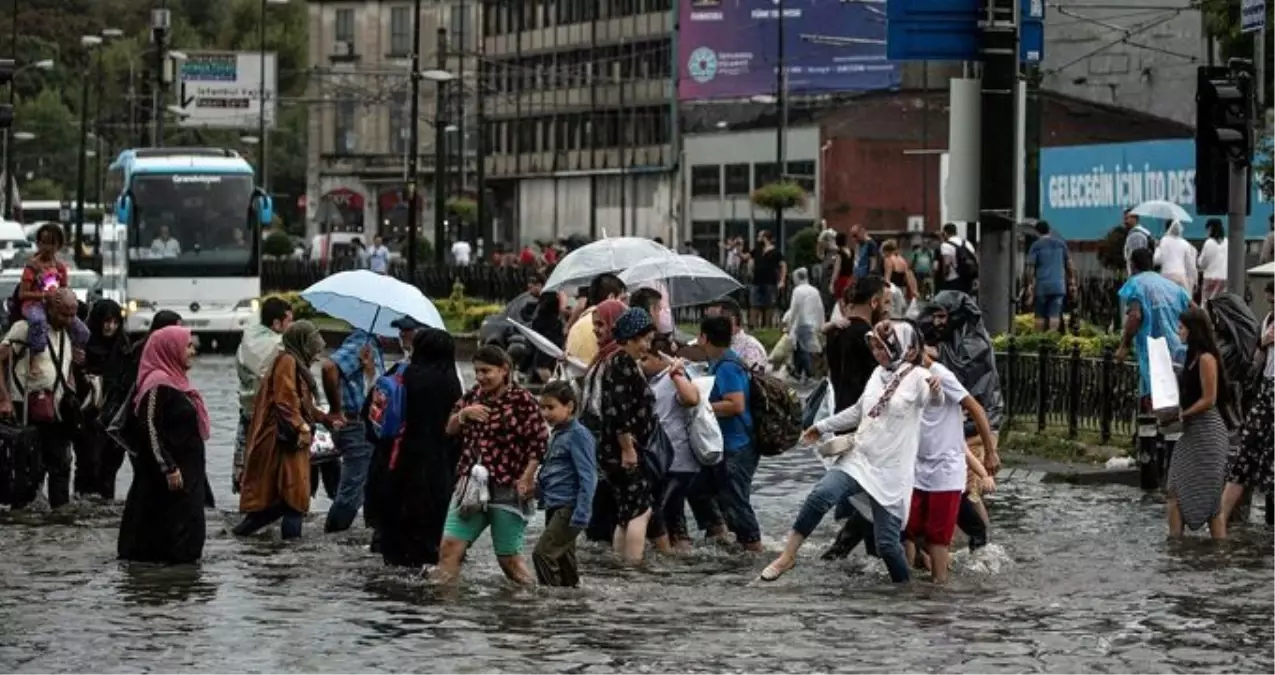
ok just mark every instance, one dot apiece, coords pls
pixel 1079 579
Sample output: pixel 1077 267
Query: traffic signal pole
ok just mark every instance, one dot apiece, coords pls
pixel 1236 258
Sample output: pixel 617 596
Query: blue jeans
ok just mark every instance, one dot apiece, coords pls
pixel 356 456
pixel 258 520
pixel 734 478
pixel 832 489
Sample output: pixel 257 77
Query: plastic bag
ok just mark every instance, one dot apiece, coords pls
pixel 706 434
pixel 966 349
pixel 1164 382
pixel 472 492
pixel 323 448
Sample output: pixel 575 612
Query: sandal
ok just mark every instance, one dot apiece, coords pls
pixel 773 572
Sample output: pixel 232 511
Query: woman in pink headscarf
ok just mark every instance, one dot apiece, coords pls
pixel 164 515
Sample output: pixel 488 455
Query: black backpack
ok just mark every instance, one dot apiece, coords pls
pixel 776 412
pixel 966 262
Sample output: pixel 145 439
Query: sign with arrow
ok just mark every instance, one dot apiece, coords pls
pixel 222 90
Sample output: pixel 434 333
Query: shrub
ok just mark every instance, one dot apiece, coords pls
pixel 473 316
pixel 1091 346
pixel 277 244
pixel 463 209
pixel 780 196
pixel 300 308
pixel 801 248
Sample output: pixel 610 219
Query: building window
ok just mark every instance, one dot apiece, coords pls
pixel 706 181
pixel 765 173
pixel 345 137
pixel 803 174
pixel 737 180
pixel 400 129
pixel 400 31
pixel 345 27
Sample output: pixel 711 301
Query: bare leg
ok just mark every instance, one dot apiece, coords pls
pixel 515 569
pixel 909 552
pixel 449 560
pixel 940 559
pixel 635 538
pixel 662 544
pixel 1217 527
pixel 1231 496
pixel 1175 517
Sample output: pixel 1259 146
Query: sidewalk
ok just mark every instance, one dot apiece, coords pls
pixel 1032 469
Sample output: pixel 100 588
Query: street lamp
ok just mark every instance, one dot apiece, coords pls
pixel 99 141
pixel 89 42
pixel 23 136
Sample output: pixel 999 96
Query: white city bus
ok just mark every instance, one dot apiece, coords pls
pixel 193 218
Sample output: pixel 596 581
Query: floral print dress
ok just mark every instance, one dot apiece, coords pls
pixel 513 436
pixel 622 404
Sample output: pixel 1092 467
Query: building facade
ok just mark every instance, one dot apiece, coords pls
pixel 359 128
pixel 579 119
pixel 727 166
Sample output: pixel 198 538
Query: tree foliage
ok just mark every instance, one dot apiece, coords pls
pixel 48 101
pixel 780 196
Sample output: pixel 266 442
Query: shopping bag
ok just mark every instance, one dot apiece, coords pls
pixel 704 431
pixel 1164 382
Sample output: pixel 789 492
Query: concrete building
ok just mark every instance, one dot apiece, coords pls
pixel 726 166
pixel 359 125
pixel 580 118
pixel 1135 54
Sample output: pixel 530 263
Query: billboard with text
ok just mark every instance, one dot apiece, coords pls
pixel 730 48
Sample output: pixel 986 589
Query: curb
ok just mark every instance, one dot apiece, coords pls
pixel 1027 468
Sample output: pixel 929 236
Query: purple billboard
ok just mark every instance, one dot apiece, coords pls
pixel 730 48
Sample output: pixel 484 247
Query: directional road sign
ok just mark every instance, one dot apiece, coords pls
pixel 947 30
pixel 222 90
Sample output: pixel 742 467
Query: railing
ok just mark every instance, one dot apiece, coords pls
pixel 1049 390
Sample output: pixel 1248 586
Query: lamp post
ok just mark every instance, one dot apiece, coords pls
pixel 263 138
pixel 90 43
pixel 9 180
pixel 99 187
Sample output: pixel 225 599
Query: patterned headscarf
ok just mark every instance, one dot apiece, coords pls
pixel 901 341
pixel 609 312
pixel 632 323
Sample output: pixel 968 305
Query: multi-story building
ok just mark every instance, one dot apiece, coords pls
pixel 359 130
pixel 580 118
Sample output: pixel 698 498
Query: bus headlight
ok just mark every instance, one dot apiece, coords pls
pixel 251 304
pixel 134 305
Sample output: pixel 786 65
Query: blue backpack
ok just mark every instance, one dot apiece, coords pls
pixel 387 405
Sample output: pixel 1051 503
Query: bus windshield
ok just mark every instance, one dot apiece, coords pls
pixel 193 225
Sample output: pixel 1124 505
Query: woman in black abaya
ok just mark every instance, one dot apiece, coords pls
pixel 108 357
pixel 410 480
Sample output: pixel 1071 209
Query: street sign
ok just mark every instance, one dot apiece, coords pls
pixel 1252 15
pixel 222 90
pixel 947 30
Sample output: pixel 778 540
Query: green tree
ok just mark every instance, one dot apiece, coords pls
pixel 42 189
pixel 52 154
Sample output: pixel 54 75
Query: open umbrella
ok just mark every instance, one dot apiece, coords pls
pixel 1263 270
pixel 371 301
pixel 550 349
pixel 690 279
pixel 605 255
pixel 1164 210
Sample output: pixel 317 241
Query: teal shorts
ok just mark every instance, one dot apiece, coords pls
pixel 507 529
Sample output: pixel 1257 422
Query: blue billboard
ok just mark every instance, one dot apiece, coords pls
pixel 730 48
pixel 1084 189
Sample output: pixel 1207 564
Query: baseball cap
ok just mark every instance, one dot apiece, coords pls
pixel 406 323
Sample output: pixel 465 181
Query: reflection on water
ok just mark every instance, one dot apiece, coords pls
pixel 1079 580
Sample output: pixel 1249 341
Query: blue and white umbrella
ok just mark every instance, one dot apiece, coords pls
pixel 371 301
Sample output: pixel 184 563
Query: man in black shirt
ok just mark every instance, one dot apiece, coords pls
pixel 850 359
pixel 769 273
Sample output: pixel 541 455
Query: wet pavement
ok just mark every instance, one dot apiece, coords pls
pixel 1080 579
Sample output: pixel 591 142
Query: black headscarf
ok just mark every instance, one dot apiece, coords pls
pixel 431 374
pixel 103 353
pixel 162 319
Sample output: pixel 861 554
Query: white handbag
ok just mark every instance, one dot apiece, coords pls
pixel 705 433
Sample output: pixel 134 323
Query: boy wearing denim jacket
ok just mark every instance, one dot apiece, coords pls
pixel 566 485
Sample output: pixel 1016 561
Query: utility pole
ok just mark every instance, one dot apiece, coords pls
pixel 9 179
pixel 997 203
pixel 480 168
pixel 264 159
pixel 440 156
pixel 781 107
pixel 160 21
pixel 90 42
pixel 414 152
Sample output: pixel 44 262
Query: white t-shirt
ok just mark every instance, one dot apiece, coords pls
pixel 948 251
pixel 1176 258
pixel 1213 259
pixel 676 420
pixel 461 252
pixel 883 460
pixel 166 248
pixel 59 342
pixel 940 456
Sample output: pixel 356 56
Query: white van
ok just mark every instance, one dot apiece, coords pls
pixel 12 241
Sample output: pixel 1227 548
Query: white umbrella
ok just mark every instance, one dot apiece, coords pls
pixel 605 255
pixel 371 301
pixel 1164 210
pixel 1263 270
pixel 550 349
pixel 690 279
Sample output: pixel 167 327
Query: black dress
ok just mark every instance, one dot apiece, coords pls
pixel 410 480
pixel 160 525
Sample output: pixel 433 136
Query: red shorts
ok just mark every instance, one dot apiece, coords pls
pixel 840 286
pixel 933 516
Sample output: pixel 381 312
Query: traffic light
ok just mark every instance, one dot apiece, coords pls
pixel 7 70
pixel 1223 131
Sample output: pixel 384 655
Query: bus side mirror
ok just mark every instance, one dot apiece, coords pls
pixel 124 209
pixel 265 210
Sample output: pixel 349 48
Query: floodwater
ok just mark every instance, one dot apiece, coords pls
pixel 1079 580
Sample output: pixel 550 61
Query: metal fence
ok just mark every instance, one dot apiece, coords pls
pixel 1049 390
